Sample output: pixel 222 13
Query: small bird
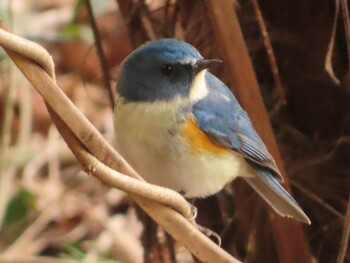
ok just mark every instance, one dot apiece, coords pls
pixel 180 127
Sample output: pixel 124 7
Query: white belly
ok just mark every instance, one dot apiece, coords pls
pixel 146 136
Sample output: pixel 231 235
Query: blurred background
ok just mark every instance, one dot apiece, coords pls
pixel 51 211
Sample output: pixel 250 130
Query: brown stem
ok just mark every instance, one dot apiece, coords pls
pixel 346 21
pixel 270 53
pixel 101 55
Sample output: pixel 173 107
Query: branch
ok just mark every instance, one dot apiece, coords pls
pixel 270 53
pixel 329 54
pixel 346 21
pixel 101 55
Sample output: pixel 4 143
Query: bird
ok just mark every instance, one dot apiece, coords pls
pixel 181 127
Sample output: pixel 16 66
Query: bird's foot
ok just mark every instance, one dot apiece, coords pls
pixel 194 210
pixel 210 233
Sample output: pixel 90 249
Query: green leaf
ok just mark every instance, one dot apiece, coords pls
pixel 18 207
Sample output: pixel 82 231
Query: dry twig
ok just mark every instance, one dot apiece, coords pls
pixel 346 21
pixel 101 55
pixel 329 54
pixel 270 53
pixel 146 19
pixel 318 200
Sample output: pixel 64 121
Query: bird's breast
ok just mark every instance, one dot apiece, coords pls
pixel 152 124
pixel 165 145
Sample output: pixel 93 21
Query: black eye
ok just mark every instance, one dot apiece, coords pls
pixel 166 69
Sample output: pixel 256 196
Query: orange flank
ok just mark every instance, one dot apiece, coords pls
pixel 199 141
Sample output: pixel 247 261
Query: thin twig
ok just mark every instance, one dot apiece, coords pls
pixel 328 58
pixel 160 249
pixel 101 55
pixel 148 237
pixel 174 19
pixel 318 200
pixel 346 22
pixel 345 239
pixel 170 245
pixel 270 53
pixel 166 18
pixel 146 20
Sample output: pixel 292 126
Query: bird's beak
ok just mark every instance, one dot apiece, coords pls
pixel 205 64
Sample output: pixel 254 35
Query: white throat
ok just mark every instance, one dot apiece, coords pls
pixel 199 88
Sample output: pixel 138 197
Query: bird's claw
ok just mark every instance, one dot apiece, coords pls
pixel 210 233
pixel 194 211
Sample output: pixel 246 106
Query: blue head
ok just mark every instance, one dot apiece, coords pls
pixel 160 70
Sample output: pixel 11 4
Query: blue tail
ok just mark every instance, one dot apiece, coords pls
pixel 273 193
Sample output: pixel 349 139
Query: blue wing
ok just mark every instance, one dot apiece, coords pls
pixel 221 117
